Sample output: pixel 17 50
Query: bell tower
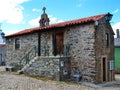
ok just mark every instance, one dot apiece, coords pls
pixel 44 21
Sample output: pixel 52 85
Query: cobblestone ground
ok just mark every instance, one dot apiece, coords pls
pixel 12 81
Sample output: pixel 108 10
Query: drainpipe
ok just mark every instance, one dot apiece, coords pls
pixel 96 23
pixel 117 32
pixel 0 59
pixel 39 43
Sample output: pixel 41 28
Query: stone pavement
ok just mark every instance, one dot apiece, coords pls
pixel 12 81
pixel 114 85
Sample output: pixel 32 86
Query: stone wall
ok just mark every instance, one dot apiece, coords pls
pixel 46 44
pixel 117 71
pixel 104 51
pixel 27 42
pixel 81 39
pixel 87 47
pixel 82 52
pixel 2 54
pixel 45 67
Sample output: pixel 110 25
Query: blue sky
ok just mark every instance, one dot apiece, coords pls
pixel 17 15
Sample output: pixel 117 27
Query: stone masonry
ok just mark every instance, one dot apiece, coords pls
pixel 87 51
pixel 44 67
pixel 81 40
pixel 2 54
pixel 82 62
pixel 27 42
pixel 104 51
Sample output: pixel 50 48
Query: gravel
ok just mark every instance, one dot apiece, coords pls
pixel 13 81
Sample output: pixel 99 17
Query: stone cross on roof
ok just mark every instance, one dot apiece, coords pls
pixel 44 21
pixel 44 8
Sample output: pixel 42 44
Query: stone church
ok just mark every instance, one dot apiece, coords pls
pixel 79 50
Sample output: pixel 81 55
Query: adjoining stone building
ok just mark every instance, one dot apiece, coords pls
pixel 81 48
pixel 2 48
pixel 2 54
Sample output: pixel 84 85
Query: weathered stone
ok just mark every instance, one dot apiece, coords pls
pixel 26 43
pixel 87 51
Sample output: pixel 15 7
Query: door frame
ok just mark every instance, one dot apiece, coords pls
pixel 55 41
pixel 106 71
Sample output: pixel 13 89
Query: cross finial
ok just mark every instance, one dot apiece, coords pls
pixel 44 8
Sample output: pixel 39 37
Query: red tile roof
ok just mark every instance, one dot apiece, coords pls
pixel 1 45
pixel 62 24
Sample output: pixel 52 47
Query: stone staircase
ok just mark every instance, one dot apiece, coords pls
pixel 21 71
pixel 44 65
pixel 28 59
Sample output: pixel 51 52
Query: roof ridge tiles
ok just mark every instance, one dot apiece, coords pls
pixel 61 24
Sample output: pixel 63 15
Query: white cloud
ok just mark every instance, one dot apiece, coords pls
pixel 11 31
pixel 116 26
pixel 35 22
pixel 54 19
pixel 115 11
pixel 11 11
pixel 36 10
pixel 60 21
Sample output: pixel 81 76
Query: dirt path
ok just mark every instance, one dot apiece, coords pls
pixel 11 81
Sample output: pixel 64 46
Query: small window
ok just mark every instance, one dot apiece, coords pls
pixel 107 39
pixel 17 43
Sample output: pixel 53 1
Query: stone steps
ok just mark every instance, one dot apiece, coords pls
pixel 27 65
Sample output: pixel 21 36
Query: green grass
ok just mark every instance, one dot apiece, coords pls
pixel 41 78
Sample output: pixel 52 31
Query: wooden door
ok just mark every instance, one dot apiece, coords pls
pixel 104 69
pixel 59 42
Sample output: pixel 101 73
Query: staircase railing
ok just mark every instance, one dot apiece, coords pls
pixel 28 56
pixel 46 50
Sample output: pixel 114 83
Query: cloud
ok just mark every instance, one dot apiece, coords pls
pixel 36 10
pixel 11 31
pixel 115 11
pixel 54 19
pixel 11 11
pixel 116 26
pixel 35 22
pixel 79 5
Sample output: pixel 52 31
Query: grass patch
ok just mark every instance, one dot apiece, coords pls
pixel 41 78
pixel 71 82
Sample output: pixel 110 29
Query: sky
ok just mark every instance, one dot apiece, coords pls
pixel 17 15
